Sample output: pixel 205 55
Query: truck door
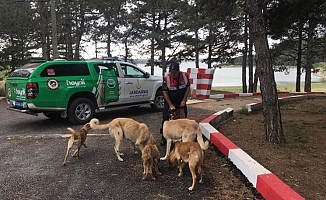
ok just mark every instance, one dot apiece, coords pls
pixel 107 86
pixel 136 86
pixel 111 85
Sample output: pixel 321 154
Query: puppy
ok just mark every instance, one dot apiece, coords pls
pixel 126 128
pixel 191 153
pixel 150 157
pixel 77 138
pixel 182 130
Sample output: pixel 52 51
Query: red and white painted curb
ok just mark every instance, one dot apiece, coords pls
pixel 232 95
pixel 265 182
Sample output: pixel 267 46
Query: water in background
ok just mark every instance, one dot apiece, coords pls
pixel 233 76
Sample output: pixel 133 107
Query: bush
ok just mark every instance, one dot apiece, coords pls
pixel 244 111
pixel 2 91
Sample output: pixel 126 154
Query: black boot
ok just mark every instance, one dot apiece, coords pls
pixel 163 141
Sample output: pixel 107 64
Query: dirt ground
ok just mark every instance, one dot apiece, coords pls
pixel 301 162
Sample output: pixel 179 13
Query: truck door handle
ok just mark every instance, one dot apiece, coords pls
pixel 129 83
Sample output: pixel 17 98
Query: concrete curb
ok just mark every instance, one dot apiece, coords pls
pixel 258 105
pixel 232 95
pixel 265 182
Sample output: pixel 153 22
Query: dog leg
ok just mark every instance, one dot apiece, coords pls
pixel 117 150
pixel 200 171
pixel 118 140
pixel 78 144
pixel 168 147
pixel 194 177
pixel 133 146
pixel 76 153
pixel 145 170
pixel 156 167
pixel 151 171
pixel 180 166
pixel 70 144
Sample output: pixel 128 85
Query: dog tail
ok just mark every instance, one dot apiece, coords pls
pixel 200 140
pixel 72 131
pixel 95 124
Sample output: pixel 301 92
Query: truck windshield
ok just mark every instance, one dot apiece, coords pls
pixel 25 70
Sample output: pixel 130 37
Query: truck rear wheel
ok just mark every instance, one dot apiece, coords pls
pixel 81 111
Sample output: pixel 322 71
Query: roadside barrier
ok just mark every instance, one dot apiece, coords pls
pixel 201 80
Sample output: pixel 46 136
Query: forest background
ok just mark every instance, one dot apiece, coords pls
pixel 201 30
pixel 176 30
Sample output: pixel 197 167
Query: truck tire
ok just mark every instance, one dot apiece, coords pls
pixel 158 101
pixel 81 111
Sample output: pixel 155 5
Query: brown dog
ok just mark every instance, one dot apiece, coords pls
pixel 182 130
pixel 191 153
pixel 150 157
pixel 126 128
pixel 77 138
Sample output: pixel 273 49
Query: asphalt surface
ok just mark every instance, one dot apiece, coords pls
pixel 32 149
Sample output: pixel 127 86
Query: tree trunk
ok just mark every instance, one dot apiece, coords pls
pixel 252 79
pixel 79 33
pixel 244 57
pixel 271 108
pixel 153 44
pixel 43 29
pixel 307 85
pixel 197 49
pixel 108 45
pixel 54 30
pixel 210 47
pixel 298 78
pixel 69 36
pixel 126 51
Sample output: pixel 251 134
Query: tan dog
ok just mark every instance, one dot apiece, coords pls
pixel 191 153
pixel 77 138
pixel 151 157
pixel 120 128
pixel 182 130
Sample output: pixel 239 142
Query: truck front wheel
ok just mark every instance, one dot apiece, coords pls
pixel 81 111
pixel 158 101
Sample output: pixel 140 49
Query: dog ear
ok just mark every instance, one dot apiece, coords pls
pixel 88 125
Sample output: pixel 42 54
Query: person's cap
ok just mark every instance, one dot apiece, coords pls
pixel 174 67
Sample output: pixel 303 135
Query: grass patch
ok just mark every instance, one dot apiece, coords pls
pixel 298 164
pixel 244 111
pixel 296 131
pixel 315 87
pixel 227 162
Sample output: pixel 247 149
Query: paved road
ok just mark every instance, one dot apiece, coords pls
pixel 32 150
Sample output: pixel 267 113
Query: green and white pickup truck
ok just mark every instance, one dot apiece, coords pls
pixel 77 89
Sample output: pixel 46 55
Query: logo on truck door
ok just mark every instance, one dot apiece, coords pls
pixel 53 84
pixel 110 83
